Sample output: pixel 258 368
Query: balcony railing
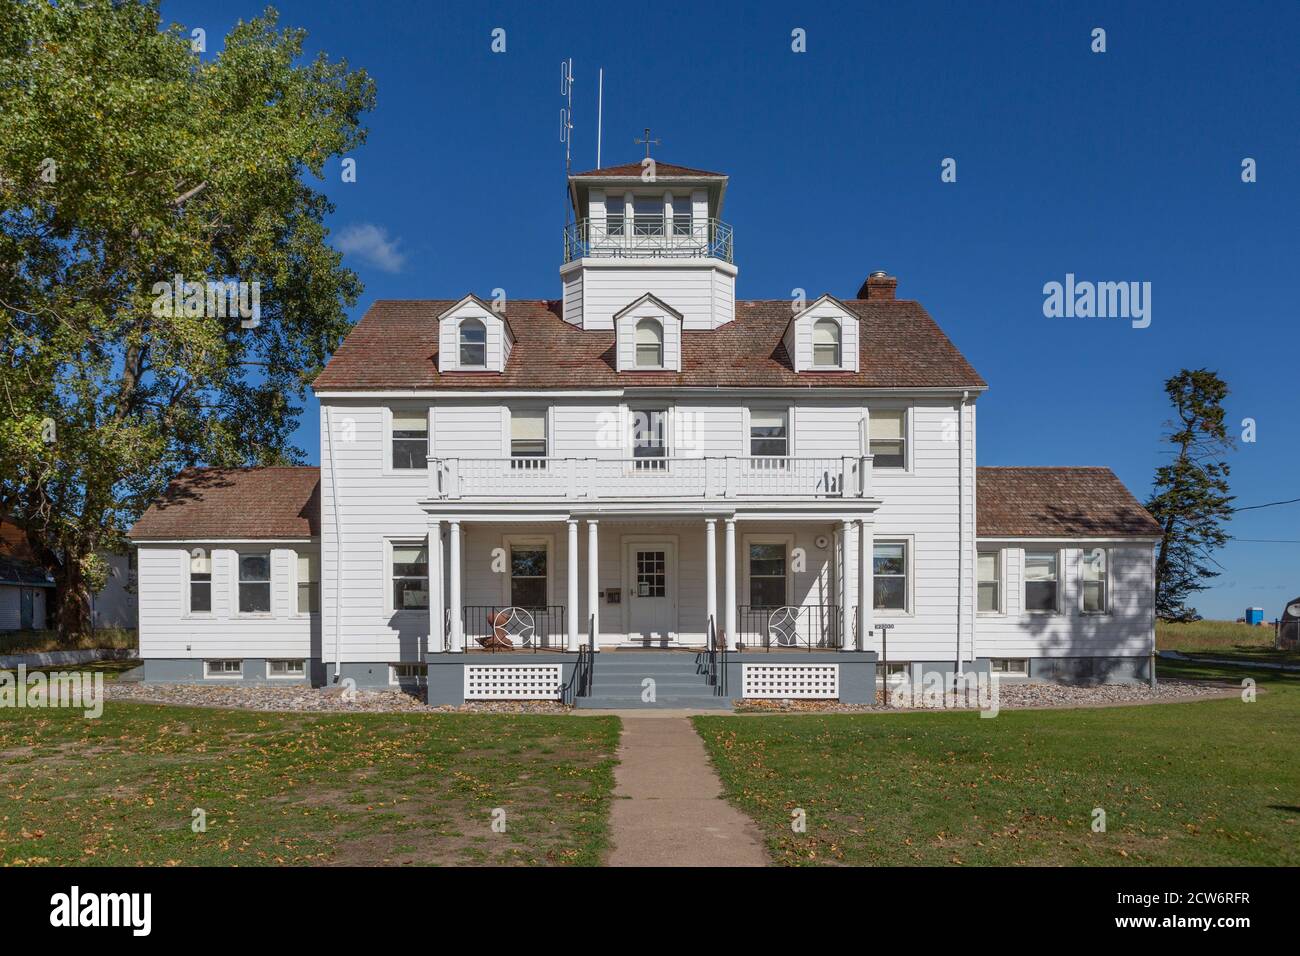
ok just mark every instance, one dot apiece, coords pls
pixel 594 478
pixel 650 237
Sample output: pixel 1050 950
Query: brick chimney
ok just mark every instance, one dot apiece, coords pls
pixel 879 286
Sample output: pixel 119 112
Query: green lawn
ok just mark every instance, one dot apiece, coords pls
pixel 1208 783
pixel 301 789
pixel 1225 639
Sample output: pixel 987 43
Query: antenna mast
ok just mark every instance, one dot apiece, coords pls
pixel 566 126
pixel 566 111
pixel 600 114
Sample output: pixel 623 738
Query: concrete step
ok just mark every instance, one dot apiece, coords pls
pixel 661 703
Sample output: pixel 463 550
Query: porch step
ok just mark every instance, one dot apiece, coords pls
pixel 634 702
pixel 680 682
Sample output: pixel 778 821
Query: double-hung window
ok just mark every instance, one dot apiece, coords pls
pixel 826 343
pixel 681 215
pixel 990 581
pixel 888 443
pixel 410 441
pixel 472 343
pixel 255 583
pixel 649 344
pixel 528 438
pixel 528 575
pixel 648 216
pixel 1095 565
pixel 200 582
pixel 767 575
pixel 769 433
pixel 410 577
pixel 308 583
pixel 890 576
pixel 1041 581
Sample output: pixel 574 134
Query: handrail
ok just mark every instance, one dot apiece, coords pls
pixel 711 672
pixel 579 682
pixel 648 237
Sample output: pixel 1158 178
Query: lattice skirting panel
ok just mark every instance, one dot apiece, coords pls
pixel 513 681
pixel 791 680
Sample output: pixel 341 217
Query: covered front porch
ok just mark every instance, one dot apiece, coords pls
pixel 756 581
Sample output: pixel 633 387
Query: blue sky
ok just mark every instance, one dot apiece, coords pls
pixel 1122 166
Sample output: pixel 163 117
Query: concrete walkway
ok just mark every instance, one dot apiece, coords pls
pixel 668 806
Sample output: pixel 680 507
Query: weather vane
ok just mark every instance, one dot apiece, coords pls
pixel 648 141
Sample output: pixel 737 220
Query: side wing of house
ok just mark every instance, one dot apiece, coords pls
pixel 228 577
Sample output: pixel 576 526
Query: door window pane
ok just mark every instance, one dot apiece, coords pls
pixel 651 574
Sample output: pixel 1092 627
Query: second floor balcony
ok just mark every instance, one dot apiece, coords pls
pixel 648 236
pixel 650 478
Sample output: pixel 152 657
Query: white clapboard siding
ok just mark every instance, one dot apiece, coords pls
pixel 692 289
pixel 1126 630
pixel 167 630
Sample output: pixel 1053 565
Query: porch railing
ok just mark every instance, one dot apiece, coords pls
pixel 809 627
pixel 667 477
pixel 498 629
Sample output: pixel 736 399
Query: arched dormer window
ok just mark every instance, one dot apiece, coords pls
pixel 472 338
pixel 649 344
pixel 826 343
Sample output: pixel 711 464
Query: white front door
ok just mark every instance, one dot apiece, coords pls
pixel 650 574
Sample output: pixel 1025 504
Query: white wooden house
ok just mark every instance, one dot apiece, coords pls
pixel 763 491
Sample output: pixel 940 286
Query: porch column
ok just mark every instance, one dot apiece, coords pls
pixel 593 583
pixel 866 586
pixel 846 608
pixel 437 638
pixel 457 625
pixel 710 574
pixel 572 610
pixel 730 591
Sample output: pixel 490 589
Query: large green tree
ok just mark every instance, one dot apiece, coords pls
pixel 128 158
pixel 1191 500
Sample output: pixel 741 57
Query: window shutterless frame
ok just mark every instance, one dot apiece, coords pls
pixel 1094 581
pixel 254 571
pixel 1042 582
pixel 200 582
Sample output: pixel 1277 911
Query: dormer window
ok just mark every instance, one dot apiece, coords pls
pixel 826 343
pixel 649 344
pixel 473 344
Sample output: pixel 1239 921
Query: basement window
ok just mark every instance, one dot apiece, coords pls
pixel 286 669
pixel 408 674
pixel 1011 666
pixel 229 670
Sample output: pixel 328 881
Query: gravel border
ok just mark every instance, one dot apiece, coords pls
pixel 1025 695
pixel 302 699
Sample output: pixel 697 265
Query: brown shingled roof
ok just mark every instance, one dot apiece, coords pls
pixel 219 503
pixel 661 170
pixel 1058 503
pixel 395 346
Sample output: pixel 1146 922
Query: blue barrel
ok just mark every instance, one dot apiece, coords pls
pixel 1254 615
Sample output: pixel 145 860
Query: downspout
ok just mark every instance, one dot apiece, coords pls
pixel 338 543
pixel 961 524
